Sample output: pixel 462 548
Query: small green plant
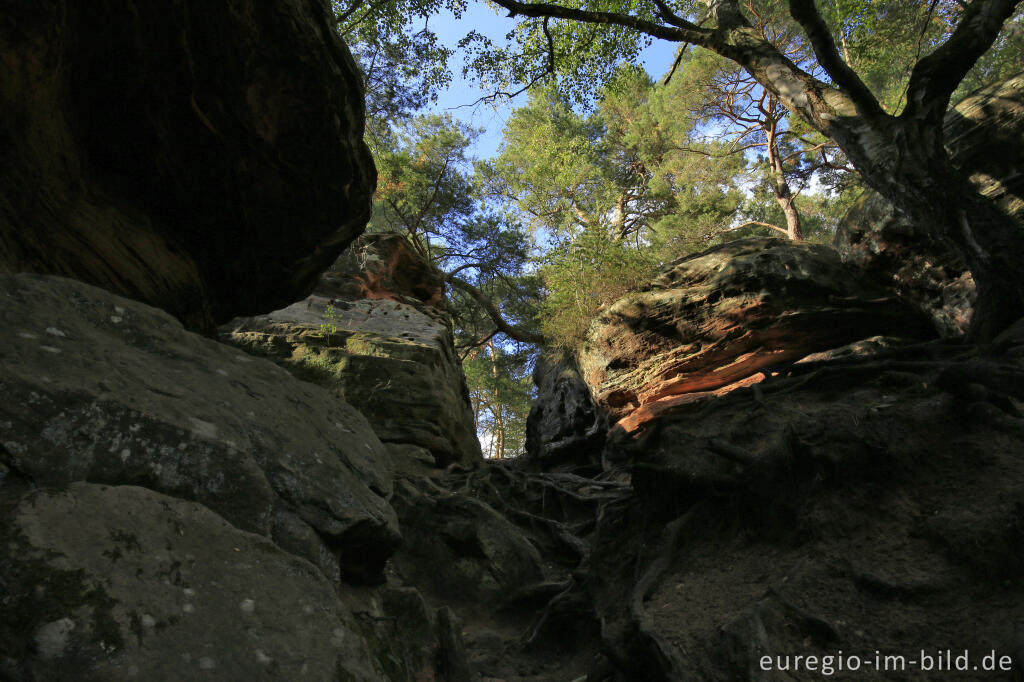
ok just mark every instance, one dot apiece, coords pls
pixel 328 328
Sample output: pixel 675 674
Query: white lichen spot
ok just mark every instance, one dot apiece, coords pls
pixel 28 335
pixel 52 638
pixel 203 428
pixel 125 454
pixel 53 331
pixel 247 606
pixel 15 447
pixel 222 372
pixel 337 637
pixel 148 621
pixel 116 319
pixel 188 608
pixel 307 609
pixel 263 658
pixel 187 657
pixel 231 444
pixel 119 310
pixel 134 428
pixel 189 592
pixel 49 349
pixel 243 358
pixel 207 663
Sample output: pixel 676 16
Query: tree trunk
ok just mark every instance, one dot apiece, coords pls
pixel 785 199
pixel 793 227
pixel 499 422
pixel 948 209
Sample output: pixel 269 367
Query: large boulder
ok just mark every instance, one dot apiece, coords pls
pixel 717 318
pixel 123 583
pixel 984 136
pixel 376 332
pixel 564 425
pixel 205 158
pixel 102 389
pixel 859 505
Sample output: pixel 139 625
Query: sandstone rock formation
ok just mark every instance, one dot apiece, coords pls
pixel 983 135
pixel 720 317
pixel 857 505
pixel 175 508
pixel 215 480
pixel 102 389
pixel 205 158
pixel 120 582
pixel 564 424
pixel 376 333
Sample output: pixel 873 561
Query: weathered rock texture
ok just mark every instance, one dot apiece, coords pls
pixel 375 332
pixel 102 389
pixel 984 135
pixel 120 582
pixel 857 505
pixel 173 506
pixel 719 317
pixel 564 424
pixel 206 158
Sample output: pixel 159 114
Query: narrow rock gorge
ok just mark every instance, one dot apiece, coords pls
pixel 236 442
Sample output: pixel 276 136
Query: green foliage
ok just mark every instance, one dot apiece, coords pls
pixel 427 191
pixel 883 39
pixel 501 392
pixel 403 62
pixel 328 328
pixel 582 276
pixel 880 39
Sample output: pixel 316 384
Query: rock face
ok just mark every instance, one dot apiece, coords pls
pixel 719 317
pixel 102 389
pixel 564 424
pixel 852 505
pixel 984 135
pixel 205 158
pixel 375 332
pixel 120 582
pixel 225 500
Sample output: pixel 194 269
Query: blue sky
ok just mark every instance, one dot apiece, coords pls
pixel 458 99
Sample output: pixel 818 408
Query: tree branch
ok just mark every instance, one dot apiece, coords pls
pixel 690 34
pixel 492 311
pixel 805 13
pixel 937 75
pixel 759 223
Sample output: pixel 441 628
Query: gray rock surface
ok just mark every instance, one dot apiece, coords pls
pixel 376 333
pixel 100 388
pixel 123 583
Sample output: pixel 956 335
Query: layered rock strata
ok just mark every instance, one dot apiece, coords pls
pixel 376 333
pixel 722 316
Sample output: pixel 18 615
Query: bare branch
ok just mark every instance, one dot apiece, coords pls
pixel 759 223
pixel 689 33
pixel 492 311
